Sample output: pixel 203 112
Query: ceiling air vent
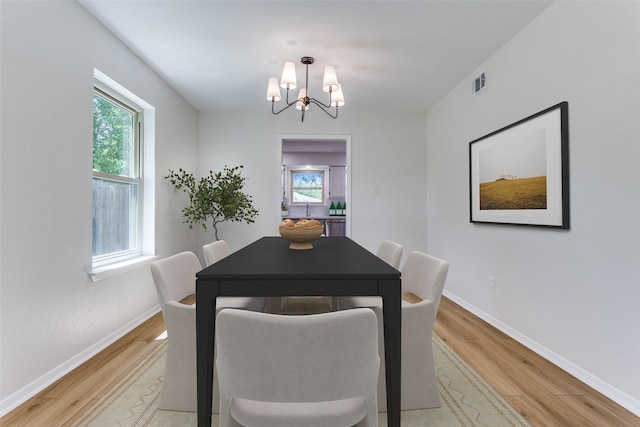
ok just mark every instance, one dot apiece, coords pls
pixel 479 83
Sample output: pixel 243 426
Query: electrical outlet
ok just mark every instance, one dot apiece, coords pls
pixel 492 283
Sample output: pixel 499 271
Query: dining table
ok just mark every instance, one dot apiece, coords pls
pixel 335 266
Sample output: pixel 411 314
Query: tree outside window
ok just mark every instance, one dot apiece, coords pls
pixel 308 186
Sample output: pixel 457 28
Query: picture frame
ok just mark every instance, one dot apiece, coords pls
pixel 519 175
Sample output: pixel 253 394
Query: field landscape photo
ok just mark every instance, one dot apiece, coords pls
pixel 513 174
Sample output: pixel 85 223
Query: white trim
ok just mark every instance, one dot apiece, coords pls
pixel 123 91
pixel 618 396
pixel 114 269
pixel 27 392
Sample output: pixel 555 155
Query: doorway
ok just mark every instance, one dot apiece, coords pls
pixel 330 154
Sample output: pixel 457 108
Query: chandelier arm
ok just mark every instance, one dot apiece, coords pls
pixel 289 104
pixel 318 102
pixel 324 108
pixel 273 106
pixel 287 98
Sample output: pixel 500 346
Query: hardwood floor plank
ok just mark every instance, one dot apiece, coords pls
pixel 601 414
pixel 521 368
pixel 543 413
pixel 26 413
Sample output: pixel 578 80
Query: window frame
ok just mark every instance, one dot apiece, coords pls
pixel 116 97
pixel 324 170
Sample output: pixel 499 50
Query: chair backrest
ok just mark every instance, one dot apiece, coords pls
pixel 215 251
pixel 424 275
pixel 313 358
pixel 390 252
pixel 175 276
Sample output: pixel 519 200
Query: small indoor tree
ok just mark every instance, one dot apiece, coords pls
pixel 217 197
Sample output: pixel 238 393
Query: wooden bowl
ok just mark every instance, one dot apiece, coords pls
pixel 300 237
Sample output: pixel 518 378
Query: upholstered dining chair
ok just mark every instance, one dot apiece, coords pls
pixel 423 279
pixel 391 253
pixel 318 370
pixel 214 252
pixel 175 279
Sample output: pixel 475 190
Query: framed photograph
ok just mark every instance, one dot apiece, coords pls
pixel 519 174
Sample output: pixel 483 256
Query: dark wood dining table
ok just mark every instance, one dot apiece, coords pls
pixel 336 266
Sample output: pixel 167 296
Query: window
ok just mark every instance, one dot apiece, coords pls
pixel 308 185
pixel 117 177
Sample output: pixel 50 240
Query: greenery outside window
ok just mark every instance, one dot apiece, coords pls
pixel 308 185
pixel 117 177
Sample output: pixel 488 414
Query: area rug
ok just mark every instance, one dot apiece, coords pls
pixel 467 400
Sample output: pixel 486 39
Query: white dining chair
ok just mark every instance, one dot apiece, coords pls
pixel 175 279
pixel 214 252
pixel 391 253
pixel 318 370
pixel 423 280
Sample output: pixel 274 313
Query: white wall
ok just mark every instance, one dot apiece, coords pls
pixel 387 151
pixel 571 295
pixel 52 315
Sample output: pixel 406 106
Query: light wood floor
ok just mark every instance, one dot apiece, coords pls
pixel 544 394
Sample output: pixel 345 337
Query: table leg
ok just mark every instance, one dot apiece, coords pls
pixel 206 293
pixel 390 291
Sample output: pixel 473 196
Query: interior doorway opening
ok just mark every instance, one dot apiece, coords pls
pixel 313 194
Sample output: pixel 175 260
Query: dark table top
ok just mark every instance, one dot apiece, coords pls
pixel 270 258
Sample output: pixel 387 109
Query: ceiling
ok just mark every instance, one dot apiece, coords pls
pixel 394 55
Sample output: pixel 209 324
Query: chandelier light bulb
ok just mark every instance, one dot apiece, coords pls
pixel 330 80
pixel 288 80
pixel 337 97
pixel 300 104
pixel 273 90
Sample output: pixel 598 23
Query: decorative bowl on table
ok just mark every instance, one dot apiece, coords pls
pixel 300 234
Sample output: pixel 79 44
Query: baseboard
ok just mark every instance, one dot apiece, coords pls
pixel 621 398
pixel 27 392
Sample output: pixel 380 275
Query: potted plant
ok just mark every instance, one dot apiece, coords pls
pixel 217 197
pixel 283 209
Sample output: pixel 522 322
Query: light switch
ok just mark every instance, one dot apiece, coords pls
pixel 374 190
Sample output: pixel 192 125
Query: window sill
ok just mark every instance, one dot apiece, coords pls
pixel 105 271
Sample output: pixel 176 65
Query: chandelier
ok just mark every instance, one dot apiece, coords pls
pixel 303 101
